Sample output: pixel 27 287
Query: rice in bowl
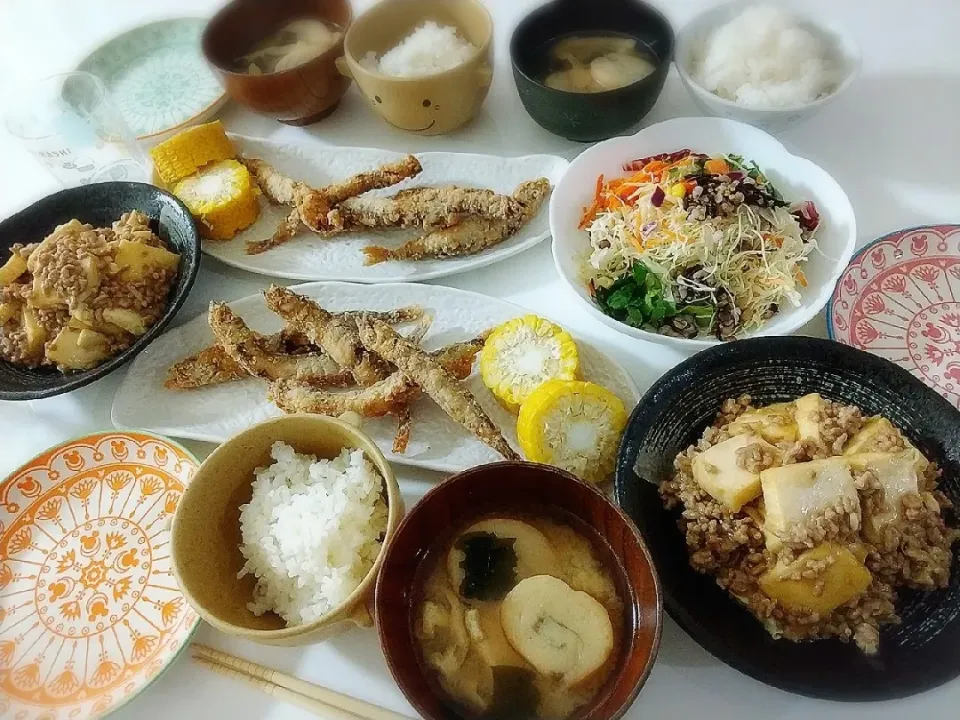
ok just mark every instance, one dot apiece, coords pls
pixel 311 531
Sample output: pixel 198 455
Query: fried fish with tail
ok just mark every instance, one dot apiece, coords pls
pixel 392 395
pixel 311 206
pixel 435 380
pixel 337 337
pixel 213 366
pixel 246 348
pixel 424 207
pixel 471 235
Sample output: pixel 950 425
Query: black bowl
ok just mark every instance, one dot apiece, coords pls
pixel 919 654
pixel 99 204
pixel 588 117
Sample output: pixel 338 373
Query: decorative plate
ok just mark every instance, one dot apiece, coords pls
pixel 217 413
pixel 90 612
pixel 900 299
pixel 157 76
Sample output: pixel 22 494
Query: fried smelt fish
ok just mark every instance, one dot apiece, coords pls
pixel 213 366
pixel 391 395
pixel 336 336
pixel 402 437
pixel 425 207
pixel 387 396
pixel 247 349
pixel 433 379
pixel 312 206
pixel 471 235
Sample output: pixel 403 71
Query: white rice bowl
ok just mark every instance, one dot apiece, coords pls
pixel 428 50
pixel 311 532
pixel 764 58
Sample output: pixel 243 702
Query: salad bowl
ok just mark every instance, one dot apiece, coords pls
pixel 797 178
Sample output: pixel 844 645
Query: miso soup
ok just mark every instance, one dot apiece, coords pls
pixel 519 617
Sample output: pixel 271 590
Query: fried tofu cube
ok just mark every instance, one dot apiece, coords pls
pixel 137 260
pixel 795 494
pixel 76 349
pixel 843 579
pixel 128 320
pixel 897 474
pixel 774 423
pixel 12 269
pixel 717 471
pixel 866 440
pixel 809 408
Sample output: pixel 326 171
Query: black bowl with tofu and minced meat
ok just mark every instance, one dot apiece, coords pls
pixel 915 655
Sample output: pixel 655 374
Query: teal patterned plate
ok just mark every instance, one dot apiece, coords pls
pixel 157 76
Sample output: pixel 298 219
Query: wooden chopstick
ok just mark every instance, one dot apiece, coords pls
pixel 318 700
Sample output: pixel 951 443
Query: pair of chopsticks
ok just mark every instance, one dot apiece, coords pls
pixel 315 699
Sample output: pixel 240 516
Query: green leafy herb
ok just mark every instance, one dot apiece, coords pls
pixel 638 299
pixel 489 566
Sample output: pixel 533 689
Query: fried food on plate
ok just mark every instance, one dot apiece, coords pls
pixel 471 235
pixel 435 380
pixel 424 207
pixel 213 366
pixel 248 350
pixel 312 206
pixel 336 336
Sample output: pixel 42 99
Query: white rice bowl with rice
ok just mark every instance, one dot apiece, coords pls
pixel 428 50
pixel 764 58
pixel 311 532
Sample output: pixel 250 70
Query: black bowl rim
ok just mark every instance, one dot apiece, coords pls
pixel 663 66
pixel 73 382
pixel 676 611
pixel 472 474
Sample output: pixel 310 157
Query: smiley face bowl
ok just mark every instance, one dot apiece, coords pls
pixel 428 104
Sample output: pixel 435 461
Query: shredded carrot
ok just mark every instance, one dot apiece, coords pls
pixel 801 278
pixel 654 167
pixel 590 212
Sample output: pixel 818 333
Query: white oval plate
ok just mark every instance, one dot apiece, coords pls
pixel 310 257
pixel 797 178
pixel 215 414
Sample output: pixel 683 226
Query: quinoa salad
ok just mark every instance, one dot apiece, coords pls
pixel 83 294
pixel 812 516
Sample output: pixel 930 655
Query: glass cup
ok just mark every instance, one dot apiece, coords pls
pixel 70 126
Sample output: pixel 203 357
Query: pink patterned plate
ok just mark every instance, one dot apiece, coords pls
pixel 90 612
pixel 900 299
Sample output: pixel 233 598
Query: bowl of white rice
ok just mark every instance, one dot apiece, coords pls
pixel 767 65
pixel 280 535
pixel 425 66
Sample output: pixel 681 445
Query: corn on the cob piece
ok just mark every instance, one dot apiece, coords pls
pixel 189 150
pixel 572 425
pixel 222 197
pixel 522 354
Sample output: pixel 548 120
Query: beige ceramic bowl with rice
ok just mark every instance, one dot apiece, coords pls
pixel 313 532
pixel 775 66
pixel 424 65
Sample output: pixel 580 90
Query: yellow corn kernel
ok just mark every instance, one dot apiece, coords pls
pixel 678 190
pixel 189 150
pixel 522 354
pixel 573 425
pixel 222 197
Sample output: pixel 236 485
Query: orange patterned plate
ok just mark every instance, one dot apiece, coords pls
pixel 90 612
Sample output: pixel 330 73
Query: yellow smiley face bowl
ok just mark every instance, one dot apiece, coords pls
pixel 424 65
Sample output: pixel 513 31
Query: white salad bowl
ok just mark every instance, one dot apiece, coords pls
pixel 797 179
pixel 691 39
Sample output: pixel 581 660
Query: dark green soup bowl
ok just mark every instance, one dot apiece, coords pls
pixel 589 117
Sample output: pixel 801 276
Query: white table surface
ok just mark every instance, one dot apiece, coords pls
pixel 891 142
